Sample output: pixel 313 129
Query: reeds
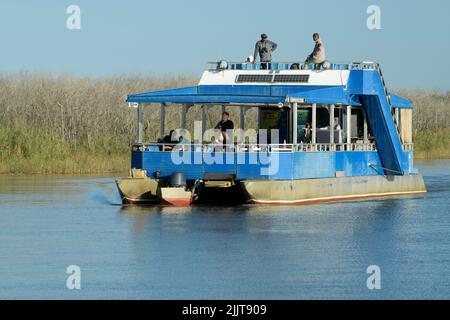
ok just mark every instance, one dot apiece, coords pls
pixel 431 123
pixel 68 125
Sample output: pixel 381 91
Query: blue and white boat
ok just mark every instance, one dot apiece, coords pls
pixel 342 136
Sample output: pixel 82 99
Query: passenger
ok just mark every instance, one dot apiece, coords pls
pixel 183 144
pixel 308 133
pixel 245 65
pixel 224 125
pixel 318 55
pixel 160 144
pixel 168 141
pixel 264 49
pixel 337 126
pixel 169 138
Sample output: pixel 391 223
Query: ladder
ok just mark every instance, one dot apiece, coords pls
pixel 388 97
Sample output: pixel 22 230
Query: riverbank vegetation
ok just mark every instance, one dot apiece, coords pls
pixel 431 123
pixel 72 125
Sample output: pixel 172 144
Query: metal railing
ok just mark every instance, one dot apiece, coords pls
pixel 234 148
pixel 232 65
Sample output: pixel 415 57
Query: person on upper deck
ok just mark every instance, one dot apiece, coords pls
pixel 318 54
pixel 264 49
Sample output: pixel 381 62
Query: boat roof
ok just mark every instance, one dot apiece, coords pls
pixel 257 95
pixel 275 86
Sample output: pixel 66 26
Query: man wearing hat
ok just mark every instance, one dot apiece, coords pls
pixel 264 49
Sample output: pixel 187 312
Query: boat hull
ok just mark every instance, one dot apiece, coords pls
pixel 151 191
pixel 178 197
pixel 138 190
pixel 331 189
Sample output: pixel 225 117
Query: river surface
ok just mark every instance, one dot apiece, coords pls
pixel 203 252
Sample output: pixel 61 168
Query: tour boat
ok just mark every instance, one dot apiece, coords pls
pixel 332 132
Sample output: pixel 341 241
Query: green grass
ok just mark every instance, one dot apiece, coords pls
pixel 432 144
pixel 34 151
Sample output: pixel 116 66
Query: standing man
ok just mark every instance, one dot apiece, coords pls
pixel 318 54
pixel 224 125
pixel 264 49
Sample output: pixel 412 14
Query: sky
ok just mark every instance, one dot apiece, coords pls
pixel 153 37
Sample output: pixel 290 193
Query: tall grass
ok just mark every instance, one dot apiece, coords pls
pixel 80 125
pixel 431 123
pixel 72 125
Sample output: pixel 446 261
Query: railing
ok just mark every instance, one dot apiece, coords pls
pixel 208 148
pixel 225 65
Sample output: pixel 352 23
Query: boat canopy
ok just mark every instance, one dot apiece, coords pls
pixel 240 83
pixel 264 94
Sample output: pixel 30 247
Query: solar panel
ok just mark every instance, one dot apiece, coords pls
pixel 254 78
pixel 280 78
pixel 297 78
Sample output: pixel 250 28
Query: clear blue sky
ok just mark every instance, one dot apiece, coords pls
pixel 179 36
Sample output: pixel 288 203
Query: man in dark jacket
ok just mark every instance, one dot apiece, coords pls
pixel 224 125
pixel 264 49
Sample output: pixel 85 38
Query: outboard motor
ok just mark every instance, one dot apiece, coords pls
pixel 178 179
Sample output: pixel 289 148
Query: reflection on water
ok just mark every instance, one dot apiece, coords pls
pixel 256 252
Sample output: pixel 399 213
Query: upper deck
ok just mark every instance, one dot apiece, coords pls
pixel 280 73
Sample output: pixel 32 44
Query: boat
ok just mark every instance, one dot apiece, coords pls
pixel 329 132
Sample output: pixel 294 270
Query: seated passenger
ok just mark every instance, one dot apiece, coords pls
pixel 245 65
pixel 169 138
pixel 160 142
pixel 318 55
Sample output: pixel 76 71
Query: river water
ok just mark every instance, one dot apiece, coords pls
pixel 246 252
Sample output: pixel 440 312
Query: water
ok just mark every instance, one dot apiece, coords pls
pixel 246 252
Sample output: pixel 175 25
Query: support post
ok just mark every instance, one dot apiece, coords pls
pixel 314 124
pixel 242 117
pixel 183 116
pixel 139 123
pixel 365 129
pixel 349 127
pixel 162 120
pixel 294 123
pixel 331 111
pixel 259 118
pixel 204 109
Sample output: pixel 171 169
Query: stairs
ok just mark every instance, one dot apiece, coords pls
pixel 388 96
pixel 370 86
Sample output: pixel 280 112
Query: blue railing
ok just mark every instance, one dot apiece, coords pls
pixel 237 148
pixel 225 65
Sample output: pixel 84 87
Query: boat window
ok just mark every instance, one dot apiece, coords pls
pixel 276 118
